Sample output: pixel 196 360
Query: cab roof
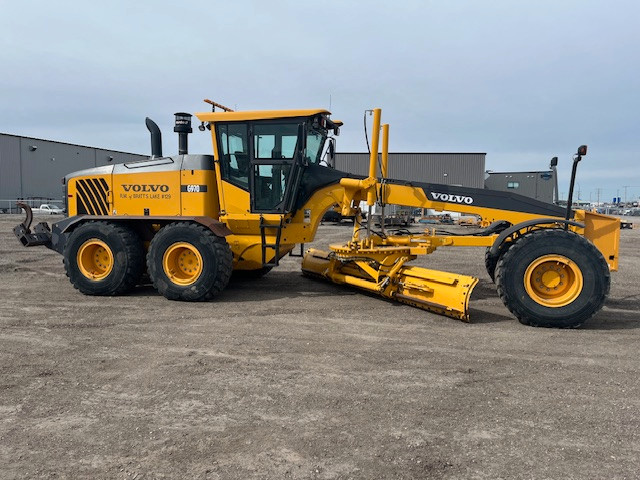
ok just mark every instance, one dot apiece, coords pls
pixel 257 115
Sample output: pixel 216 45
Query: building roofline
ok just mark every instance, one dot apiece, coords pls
pixel 142 154
pixel 518 172
pixel 72 144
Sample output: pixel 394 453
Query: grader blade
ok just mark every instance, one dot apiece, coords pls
pixel 439 292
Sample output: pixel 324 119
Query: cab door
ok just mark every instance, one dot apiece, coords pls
pixel 276 165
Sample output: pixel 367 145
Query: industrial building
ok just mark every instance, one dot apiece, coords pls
pixel 538 185
pixel 31 168
pixel 463 169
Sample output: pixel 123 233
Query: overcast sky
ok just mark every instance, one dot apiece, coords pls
pixel 521 81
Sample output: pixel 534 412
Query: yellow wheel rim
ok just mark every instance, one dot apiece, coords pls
pixel 182 263
pixel 95 259
pixel 553 281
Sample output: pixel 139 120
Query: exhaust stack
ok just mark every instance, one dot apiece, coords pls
pixel 183 129
pixel 156 138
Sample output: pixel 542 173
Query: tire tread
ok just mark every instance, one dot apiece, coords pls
pixel 133 251
pixel 222 253
pixel 549 237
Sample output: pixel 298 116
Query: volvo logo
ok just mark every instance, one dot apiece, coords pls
pixel 447 197
pixel 144 188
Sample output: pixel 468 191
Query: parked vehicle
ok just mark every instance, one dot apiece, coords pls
pixel 48 209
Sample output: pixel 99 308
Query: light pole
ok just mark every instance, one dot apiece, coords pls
pixel 625 191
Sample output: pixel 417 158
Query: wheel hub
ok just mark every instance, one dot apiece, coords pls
pixel 553 281
pixel 182 263
pixel 95 259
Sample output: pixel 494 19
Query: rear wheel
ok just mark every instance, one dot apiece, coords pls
pixel 103 258
pixel 553 278
pixel 186 261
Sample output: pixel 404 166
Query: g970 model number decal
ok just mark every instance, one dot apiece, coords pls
pixel 193 188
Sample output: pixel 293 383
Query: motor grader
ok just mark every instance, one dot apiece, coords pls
pixel 191 220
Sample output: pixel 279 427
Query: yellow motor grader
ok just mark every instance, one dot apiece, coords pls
pixel 190 220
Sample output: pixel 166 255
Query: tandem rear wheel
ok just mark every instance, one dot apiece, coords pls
pixel 552 278
pixel 103 258
pixel 187 261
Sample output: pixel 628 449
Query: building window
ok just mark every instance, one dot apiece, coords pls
pixel 513 184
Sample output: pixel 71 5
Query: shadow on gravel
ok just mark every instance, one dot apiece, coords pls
pixel 613 320
pixel 631 302
pixel 483 290
pixel 482 316
pixel 619 313
pixel 272 286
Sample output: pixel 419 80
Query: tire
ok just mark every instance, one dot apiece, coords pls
pixel 553 278
pixel 186 261
pixel 103 258
pixel 491 262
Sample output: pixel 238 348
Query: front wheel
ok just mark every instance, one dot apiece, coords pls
pixel 491 261
pixel 553 278
pixel 186 261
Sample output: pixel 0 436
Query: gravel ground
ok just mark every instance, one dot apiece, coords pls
pixel 289 377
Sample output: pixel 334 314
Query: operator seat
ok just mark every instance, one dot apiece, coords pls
pixel 242 159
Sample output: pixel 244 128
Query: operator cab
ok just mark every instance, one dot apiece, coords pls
pixel 267 157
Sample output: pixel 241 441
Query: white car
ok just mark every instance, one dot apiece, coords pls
pixel 48 209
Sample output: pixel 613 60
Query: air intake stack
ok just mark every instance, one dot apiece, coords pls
pixel 183 129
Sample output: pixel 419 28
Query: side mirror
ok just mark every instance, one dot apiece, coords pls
pixel 331 153
pixel 582 150
pixel 554 162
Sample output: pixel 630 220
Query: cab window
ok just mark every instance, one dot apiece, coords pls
pixel 315 144
pixel 275 141
pixel 234 153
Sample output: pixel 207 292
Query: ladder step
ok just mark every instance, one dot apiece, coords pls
pixel 272 246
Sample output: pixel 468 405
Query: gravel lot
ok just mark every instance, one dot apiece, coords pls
pixel 289 377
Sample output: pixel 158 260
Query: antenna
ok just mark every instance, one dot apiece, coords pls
pixel 214 105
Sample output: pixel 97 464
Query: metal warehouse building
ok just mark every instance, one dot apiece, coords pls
pixel 464 169
pixel 32 167
pixel 538 185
